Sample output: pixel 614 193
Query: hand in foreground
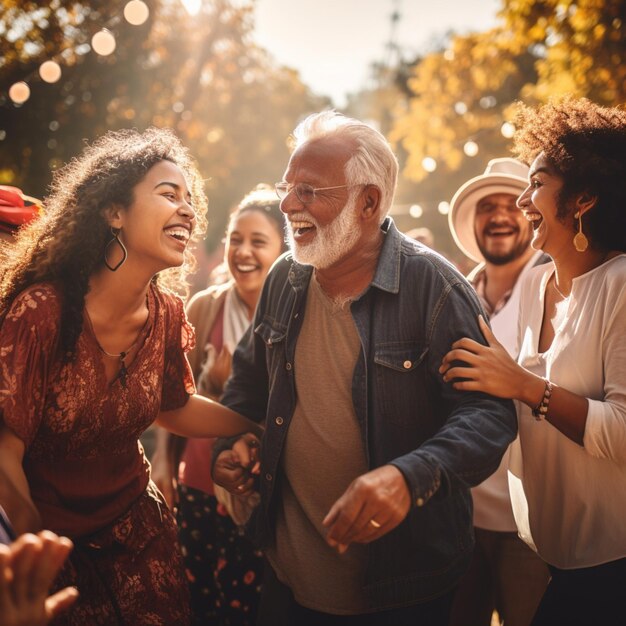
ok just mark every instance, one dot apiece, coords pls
pixel 371 506
pixel 28 568
pixel 235 469
pixel 489 368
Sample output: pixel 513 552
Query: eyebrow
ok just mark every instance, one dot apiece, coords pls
pixel 539 170
pixel 175 185
pixel 254 234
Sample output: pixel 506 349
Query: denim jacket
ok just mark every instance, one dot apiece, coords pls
pixel 443 441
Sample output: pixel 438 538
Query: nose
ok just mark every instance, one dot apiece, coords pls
pixel 186 209
pixel 291 203
pixel 524 198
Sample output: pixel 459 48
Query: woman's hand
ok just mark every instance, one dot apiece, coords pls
pixel 28 568
pixel 489 368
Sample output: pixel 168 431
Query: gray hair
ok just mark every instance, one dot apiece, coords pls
pixel 373 161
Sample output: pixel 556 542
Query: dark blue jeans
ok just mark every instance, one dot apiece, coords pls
pixel 278 608
pixel 589 596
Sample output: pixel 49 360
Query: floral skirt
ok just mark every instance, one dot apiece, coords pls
pixel 223 567
pixel 129 573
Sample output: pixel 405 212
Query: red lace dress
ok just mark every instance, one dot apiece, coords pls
pixel 86 470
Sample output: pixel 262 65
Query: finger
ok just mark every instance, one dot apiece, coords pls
pixel 465 343
pixel 468 385
pixel 6 577
pixel 457 354
pixel 60 601
pixel 453 373
pixel 24 552
pixel 243 452
pixel 49 561
pixel 486 331
pixel 342 519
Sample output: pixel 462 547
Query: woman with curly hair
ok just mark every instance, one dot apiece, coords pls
pixel 568 468
pixel 93 350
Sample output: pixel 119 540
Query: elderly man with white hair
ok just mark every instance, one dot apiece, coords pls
pixel 367 458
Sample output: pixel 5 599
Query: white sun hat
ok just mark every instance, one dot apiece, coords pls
pixel 504 175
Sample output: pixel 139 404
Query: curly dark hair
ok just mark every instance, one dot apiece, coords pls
pixel 263 198
pixel 586 145
pixel 66 245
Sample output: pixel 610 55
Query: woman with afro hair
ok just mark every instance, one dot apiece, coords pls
pixel 568 468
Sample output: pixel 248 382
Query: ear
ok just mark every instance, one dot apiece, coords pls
pixel 371 201
pixel 585 201
pixel 113 215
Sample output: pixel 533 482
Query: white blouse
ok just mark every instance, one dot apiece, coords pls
pixel 569 501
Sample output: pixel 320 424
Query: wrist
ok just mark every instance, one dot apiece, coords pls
pixel 533 390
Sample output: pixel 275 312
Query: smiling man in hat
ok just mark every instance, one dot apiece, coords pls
pixel 489 228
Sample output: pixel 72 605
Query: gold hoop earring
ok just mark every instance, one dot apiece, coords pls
pixel 581 243
pixel 116 240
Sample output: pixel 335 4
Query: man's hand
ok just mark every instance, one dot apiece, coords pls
pixel 28 568
pixel 235 469
pixel 371 506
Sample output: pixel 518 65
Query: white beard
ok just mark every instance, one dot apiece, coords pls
pixel 331 242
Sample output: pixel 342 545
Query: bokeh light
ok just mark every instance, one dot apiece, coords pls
pixel 103 42
pixel 470 148
pixel 416 211
pixel 19 92
pixel 507 129
pixel 50 71
pixel 429 164
pixel 136 12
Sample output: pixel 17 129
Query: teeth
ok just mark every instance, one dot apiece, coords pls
pixel 532 216
pixel 178 233
pixel 245 268
pixel 298 225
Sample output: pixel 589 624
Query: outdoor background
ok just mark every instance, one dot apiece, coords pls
pixel 234 77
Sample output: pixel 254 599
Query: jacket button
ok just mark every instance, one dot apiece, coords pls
pixel 279 421
pixel 419 502
pixel 268 477
pixel 288 366
pixel 407 365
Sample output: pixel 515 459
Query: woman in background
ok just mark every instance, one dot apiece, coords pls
pixel 93 350
pixel 223 567
pixel 568 468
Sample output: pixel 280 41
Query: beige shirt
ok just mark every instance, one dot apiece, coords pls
pixel 323 453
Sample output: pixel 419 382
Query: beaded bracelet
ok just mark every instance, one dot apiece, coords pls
pixel 541 409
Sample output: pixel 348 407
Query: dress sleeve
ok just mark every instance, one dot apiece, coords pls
pixel 180 338
pixel 28 344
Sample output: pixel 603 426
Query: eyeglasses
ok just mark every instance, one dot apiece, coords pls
pixel 304 191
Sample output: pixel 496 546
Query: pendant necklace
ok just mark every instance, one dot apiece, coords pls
pixel 122 355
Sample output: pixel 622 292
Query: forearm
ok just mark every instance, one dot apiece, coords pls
pixel 201 417
pixel 14 492
pixel 567 411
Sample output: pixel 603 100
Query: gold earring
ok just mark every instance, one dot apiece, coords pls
pixel 581 243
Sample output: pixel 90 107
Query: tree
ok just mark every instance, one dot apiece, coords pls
pixel 203 76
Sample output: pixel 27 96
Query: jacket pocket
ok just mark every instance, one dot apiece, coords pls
pixel 401 394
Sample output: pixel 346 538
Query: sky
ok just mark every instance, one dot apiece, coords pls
pixel 333 42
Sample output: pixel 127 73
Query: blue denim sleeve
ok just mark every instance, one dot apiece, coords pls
pixel 478 428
